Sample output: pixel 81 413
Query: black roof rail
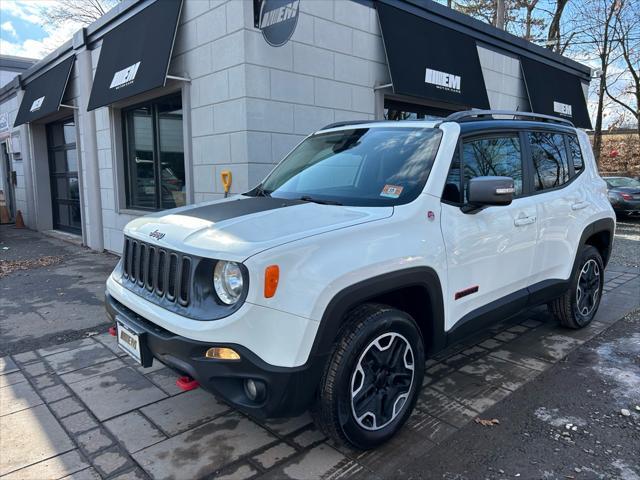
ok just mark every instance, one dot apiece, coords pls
pixel 489 115
pixel 348 122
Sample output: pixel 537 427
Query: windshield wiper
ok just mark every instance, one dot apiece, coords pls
pixel 307 198
pixel 261 192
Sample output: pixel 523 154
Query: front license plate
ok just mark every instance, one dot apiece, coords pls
pixel 129 341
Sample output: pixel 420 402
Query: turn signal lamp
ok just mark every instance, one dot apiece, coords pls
pixel 222 353
pixel 271 278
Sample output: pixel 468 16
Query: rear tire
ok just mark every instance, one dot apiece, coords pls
pixel 579 304
pixel 372 379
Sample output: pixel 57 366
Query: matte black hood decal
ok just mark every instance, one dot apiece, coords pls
pixel 219 212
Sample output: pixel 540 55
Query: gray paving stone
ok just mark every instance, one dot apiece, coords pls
pixel 65 407
pixel 490 344
pixel 70 360
pixel 60 466
pixel 444 408
pixel 319 462
pixel 240 472
pixel 92 371
pixel 275 454
pixel 182 412
pixel 7 365
pixel 522 360
pixel 134 431
pixel 44 381
pixel 429 426
pixel 18 397
pixel 86 474
pixel 531 323
pixel 472 392
pixel 25 357
pixel 309 437
pixel 79 422
pixel 94 440
pixel 505 336
pixel 157 365
pixel 285 426
pixel 518 329
pixel 135 474
pixel 65 347
pixel 116 392
pixel 35 369
pixel 30 436
pixel 165 379
pixel 110 342
pixel 11 379
pixel 51 394
pixel 209 448
pixel 109 462
pixel 548 347
pixel 500 373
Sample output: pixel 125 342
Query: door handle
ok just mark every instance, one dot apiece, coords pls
pixel 521 222
pixel 579 205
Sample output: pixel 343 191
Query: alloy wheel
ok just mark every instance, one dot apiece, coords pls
pixel 382 380
pixel 588 288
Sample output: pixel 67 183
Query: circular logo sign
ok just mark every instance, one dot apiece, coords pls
pixel 278 20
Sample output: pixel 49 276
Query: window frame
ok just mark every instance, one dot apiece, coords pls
pixel 528 181
pixel 482 135
pixel 127 134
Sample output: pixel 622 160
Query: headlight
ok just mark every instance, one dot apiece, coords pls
pixel 228 281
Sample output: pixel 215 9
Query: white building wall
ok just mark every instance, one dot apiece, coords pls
pixel 10 106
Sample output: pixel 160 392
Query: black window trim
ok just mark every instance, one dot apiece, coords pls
pixel 126 134
pixel 528 188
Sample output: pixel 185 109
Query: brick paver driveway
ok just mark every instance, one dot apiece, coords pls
pixel 85 409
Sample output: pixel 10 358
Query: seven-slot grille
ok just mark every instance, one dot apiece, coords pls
pixel 163 272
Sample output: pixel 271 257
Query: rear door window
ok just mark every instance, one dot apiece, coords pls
pixel 576 154
pixel 550 162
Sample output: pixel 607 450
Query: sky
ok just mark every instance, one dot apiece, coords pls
pixel 22 32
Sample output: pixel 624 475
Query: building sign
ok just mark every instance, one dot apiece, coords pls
pixel 446 81
pixel 562 109
pixel 125 77
pixel 278 20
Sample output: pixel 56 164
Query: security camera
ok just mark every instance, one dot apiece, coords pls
pixel 597 73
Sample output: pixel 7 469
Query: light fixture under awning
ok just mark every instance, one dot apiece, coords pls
pixel 42 96
pixel 135 55
pixel 553 91
pixel 428 60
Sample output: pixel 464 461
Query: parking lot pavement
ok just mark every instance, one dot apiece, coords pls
pixel 51 291
pixel 85 409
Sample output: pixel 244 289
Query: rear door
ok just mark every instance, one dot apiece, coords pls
pixel 489 253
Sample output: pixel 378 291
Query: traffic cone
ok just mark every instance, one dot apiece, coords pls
pixel 19 220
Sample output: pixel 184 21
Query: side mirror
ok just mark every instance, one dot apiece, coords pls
pixel 488 191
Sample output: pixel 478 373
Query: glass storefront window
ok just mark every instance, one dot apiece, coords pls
pixel 155 154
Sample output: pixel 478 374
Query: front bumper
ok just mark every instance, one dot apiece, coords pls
pixel 289 391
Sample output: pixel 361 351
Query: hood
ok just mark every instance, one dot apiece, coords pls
pixel 239 227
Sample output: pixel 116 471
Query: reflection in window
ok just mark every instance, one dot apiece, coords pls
pixel 576 154
pixel 155 155
pixel 496 156
pixel 551 168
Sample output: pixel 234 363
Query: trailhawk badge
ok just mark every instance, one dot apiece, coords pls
pixel 278 20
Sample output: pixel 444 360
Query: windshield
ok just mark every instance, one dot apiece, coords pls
pixel 622 182
pixel 360 167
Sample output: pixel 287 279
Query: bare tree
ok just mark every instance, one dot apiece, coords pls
pixel 628 40
pixel 77 11
pixel 553 37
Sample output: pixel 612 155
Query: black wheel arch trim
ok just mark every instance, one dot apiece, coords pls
pixel 333 318
pixel 603 225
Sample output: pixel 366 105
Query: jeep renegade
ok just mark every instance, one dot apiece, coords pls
pixel 370 247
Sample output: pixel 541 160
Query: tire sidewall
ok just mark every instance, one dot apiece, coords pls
pixel 586 254
pixel 388 321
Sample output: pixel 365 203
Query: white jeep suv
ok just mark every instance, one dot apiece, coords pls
pixel 370 247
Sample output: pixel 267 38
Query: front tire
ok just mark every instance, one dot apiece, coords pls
pixel 373 378
pixel 578 305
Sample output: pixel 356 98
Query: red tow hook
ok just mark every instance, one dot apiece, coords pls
pixel 112 331
pixel 187 383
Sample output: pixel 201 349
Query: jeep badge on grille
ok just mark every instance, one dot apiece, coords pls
pixel 157 234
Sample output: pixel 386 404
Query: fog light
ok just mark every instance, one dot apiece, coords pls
pixel 222 353
pixel 255 389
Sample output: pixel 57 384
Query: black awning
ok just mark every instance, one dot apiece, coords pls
pixel 135 55
pixel 555 92
pixel 43 95
pixel 428 60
